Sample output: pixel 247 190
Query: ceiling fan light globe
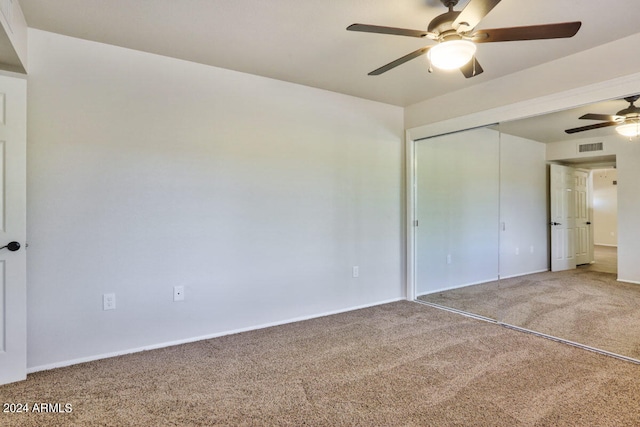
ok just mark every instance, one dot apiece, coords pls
pixel 629 130
pixel 452 54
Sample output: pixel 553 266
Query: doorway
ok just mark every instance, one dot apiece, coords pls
pixel 583 216
pixel 604 201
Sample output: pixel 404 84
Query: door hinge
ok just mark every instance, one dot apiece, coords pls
pixel 415 223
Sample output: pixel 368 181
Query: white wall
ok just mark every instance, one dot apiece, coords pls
pixel 627 159
pixel 605 207
pixel 469 184
pixel 146 172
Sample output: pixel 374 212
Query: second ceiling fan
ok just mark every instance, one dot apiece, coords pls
pixel 627 120
pixel 455 36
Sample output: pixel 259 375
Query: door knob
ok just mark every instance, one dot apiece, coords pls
pixel 588 222
pixel 12 246
pixel 555 223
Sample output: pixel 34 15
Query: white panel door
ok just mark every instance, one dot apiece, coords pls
pixel 13 292
pixel 583 225
pixel 562 191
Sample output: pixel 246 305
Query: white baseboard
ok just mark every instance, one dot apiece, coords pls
pixel 483 281
pixel 633 282
pixel 604 244
pixel 524 274
pixel 458 286
pixel 92 358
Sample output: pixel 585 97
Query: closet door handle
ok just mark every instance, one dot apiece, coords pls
pixel 12 246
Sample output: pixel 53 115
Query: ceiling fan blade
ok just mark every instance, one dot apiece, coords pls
pixel 531 32
pixel 471 68
pixel 387 30
pixel 473 12
pixel 400 61
pixel 590 127
pixel 605 117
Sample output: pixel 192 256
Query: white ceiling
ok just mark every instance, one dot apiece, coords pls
pixel 305 41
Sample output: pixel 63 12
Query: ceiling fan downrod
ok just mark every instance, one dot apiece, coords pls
pixel 450 4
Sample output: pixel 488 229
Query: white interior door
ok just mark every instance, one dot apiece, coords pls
pixel 562 192
pixel 583 225
pixel 13 288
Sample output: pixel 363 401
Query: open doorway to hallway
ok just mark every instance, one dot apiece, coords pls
pixel 604 204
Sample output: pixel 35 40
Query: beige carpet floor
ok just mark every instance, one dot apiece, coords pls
pixel 583 306
pixel 399 364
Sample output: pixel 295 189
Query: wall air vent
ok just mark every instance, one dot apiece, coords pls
pixel 594 146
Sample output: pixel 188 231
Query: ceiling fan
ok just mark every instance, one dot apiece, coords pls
pixel 628 119
pixel 456 39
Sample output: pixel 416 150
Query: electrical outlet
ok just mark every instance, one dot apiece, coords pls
pixel 517 251
pixel 356 271
pixel 449 259
pixel 178 293
pixel 109 301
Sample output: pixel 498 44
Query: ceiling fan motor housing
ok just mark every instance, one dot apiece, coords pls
pixel 442 25
pixel 631 112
